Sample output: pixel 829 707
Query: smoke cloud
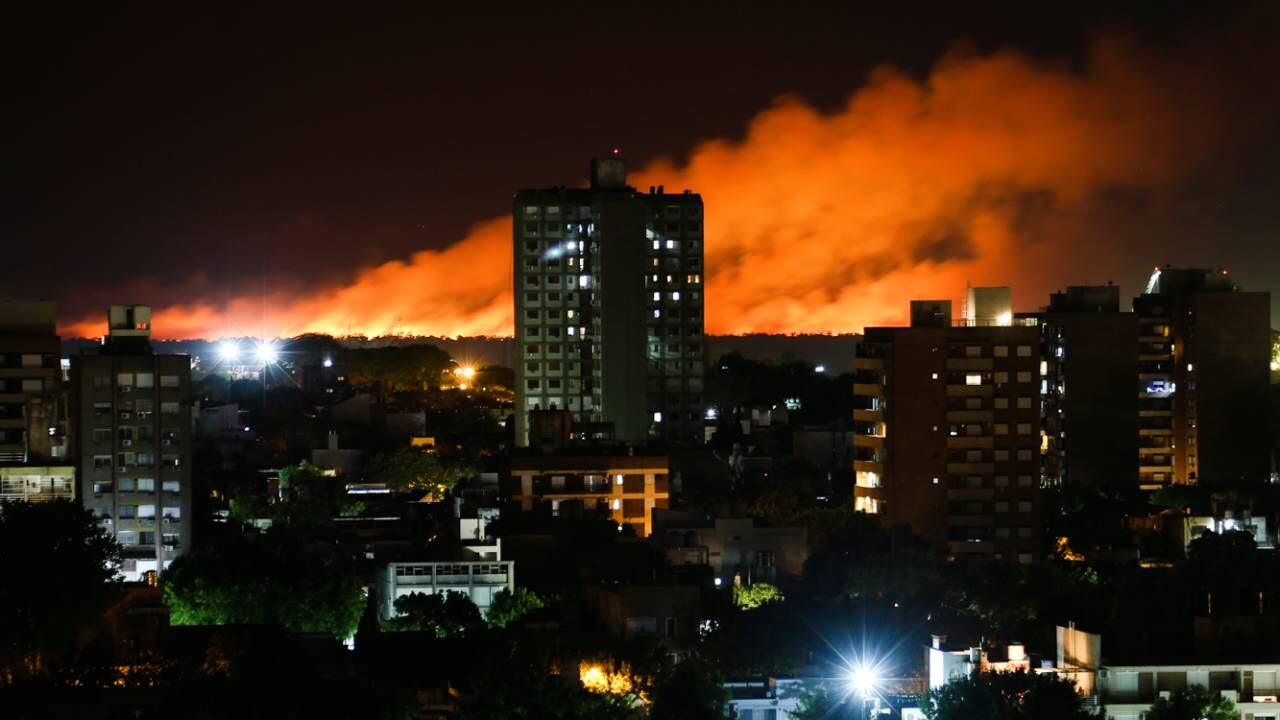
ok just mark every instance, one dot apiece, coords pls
pixel 992 170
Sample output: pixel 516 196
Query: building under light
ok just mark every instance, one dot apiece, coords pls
pixel 947 430
pixel 1203 379
pixel 609 308
pixel 131 422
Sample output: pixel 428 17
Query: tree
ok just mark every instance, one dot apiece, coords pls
pixel 59 567
pixel 273 579
pixel 448 614
pixel 824 705
pixel 507 607
pixel 689 690
pixel 753 596
pixel 409 468
pixel 1192 703
pixel 1019 695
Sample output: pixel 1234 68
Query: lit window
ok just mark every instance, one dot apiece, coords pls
pixel 934 376
pixel 675 295
pixel 657 296
pixel 973 379
pixel 657 417
pixel 1024 351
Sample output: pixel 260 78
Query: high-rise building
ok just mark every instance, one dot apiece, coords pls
pixel 609 308
pixel 1203 382
pixel 947 432
pixel 1089 347
pixel 33 408
pixel 131 428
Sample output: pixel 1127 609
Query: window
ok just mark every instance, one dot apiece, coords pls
pixel 1002 428
pixel 127 537
pixel 1002 350
pixel 145 380
pixel 101 382
pixel 102 435
pixel 1002 376
pixel 146 512
pixel 1024 506
pixel 102 461
pixel 102 487
pixel 169 407
pixel 171 513
pixel 1002 506
pixel 1024 481
pixel 1024 403
pixel 147 537
pixel 1002 533
pixel 1002 481
pixel 1002 456
pixel 127 512
pixel 1024 533
pixel 1024 351
pixel 32 385
pixel 973 379
pixel 1002 403
pixel 127 485
pixel 124 379
pixel 171 486
pixel 973 351
pixel 1024 376
pixel 146 485
pixel 1024 428
pixel 1024 454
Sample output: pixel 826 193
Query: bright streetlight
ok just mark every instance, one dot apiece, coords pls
pixel 228 351
pixel 266 353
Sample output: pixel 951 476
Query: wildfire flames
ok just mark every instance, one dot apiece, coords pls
pixel 992 170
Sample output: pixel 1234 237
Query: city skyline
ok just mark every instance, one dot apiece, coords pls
pixel 989 154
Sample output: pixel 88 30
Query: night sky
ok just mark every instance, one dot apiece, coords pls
pixel 258 161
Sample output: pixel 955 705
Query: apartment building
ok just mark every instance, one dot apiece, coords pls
pixel 1203 379
pixel 1089 347
pixel 33 411
pixel 131 421
pixel 947 434
pixel 626 488
pixel 609 308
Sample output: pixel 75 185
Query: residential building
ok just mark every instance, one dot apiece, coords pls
pixel 947 432
pixel 479 572
pixel 1089 347
pixel 1203 382
pixel 33 409
pixel 131 430
pixel 609 308
pixel 626 488
pixel 739 551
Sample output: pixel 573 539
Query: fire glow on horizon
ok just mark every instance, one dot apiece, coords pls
pixel 983 173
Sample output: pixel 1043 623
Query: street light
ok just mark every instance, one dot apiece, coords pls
pixel 228 351
pixel 266 353
pixel 864 680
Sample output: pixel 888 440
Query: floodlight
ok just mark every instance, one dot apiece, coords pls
pixel 266 353
pixel 228 351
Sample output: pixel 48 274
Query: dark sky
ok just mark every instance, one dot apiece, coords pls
pixel 159 151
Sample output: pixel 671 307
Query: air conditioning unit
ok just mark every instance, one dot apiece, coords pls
pixel 126 443
pixel 126 415
pixel 126 388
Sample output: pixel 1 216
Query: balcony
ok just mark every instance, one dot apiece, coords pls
pixel 961 416
pixel 864 415
pixel 970 468
pixel 970 390
pixel 964 442
pixel 962 363
pixel 868 389
pixel 868 441
pixel 971 494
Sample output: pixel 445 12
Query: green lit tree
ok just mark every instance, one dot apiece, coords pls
pixel 273 579
pixel 57 562
pixel 1017 695
pixel 750 597
pixel 1193 703
pixel 408 469
pixel 507 607
pixel 447 614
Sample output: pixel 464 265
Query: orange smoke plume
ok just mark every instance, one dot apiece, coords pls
pixel 986 172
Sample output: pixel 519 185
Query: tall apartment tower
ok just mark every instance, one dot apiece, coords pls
pixel 1089 348
pixel 609 308
pixel 947 431
pixel 33 410
pixel 1203 353
pixel 131 422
